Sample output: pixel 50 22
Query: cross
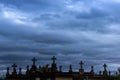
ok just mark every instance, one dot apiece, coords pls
pixel 34 60
pixel 105 66
pixel 27 67
pixel 7 70
pixel 14 68
pixel 14 65
pixel 92 68
pixel 100 72
pixel 60 67
pixel 81 64
pixel 53 58
pixel 109 73
pixel 20 70
pixel 116 73
pixel 70 68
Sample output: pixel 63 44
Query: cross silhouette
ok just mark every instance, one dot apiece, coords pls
pixel 34 60
pixel 109 73
pixel 104 67
pixel 70 68
pixel 81 64
pixel 14 68
pixel 60 67
pixel 53 58
pixel 100 72
pixel 7 70
pixel 92 67
pixel 14 65
pixel 20 70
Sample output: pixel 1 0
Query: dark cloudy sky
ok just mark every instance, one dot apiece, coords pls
pixel 72 30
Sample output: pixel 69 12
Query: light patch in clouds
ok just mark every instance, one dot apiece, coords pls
pixel 79 7
pixel 18 17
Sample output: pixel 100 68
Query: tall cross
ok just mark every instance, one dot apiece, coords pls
pixel 34 60
pixel 109 73
pixel 104 67
pixel 14 65
pixel 53 58
pixel 81 64
pixel 14 68
pixel 60 67
pixel 20 70
pixel 92 68
pixel 27 67
pixel 70 68
pixel 100 72
pixel 7 70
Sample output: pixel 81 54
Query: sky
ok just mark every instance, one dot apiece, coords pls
pixel 71 30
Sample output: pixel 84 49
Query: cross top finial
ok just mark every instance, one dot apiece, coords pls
pixel 104 65
pixel 81 64
pixel 100 72
pixel 7 68
pixel 34 60
pixel 92 67
pixel 53 58
pixel 14 65
pixel 70 66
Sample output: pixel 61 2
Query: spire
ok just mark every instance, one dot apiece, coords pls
pixel 34 60
pixel 70 68
pixel 14 69
pixel 53 58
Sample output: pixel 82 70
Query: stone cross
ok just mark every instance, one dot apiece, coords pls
pixel 53 58
pixel 60 67
pixel 92 68
pixel 104 67
pixel 20 72
pixel 14 65
pixel 14 68
pixel 81 64
pixel 7 70
pixel 34 60
pixel 70 68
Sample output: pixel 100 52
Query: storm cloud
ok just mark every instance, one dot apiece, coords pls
pixel 71 30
